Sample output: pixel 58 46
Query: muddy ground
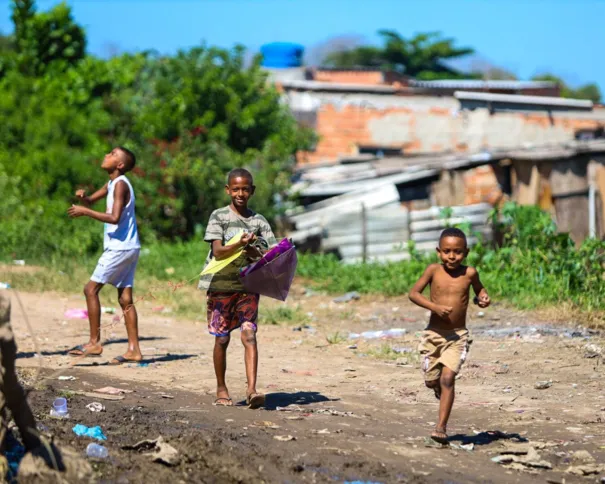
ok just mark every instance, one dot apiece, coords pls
pixel 356 409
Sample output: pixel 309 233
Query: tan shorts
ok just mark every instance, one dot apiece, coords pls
pixel 440 348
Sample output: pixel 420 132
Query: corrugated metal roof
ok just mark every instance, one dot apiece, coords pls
pixel 515 99
pixel 334 86
pixel 482 84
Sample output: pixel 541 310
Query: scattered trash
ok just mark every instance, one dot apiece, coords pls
pixel 157 309
pixel 112 390
pixel 403 350
pixel 67 378
pixel 543 385
pixel 162 452
pixel 169 270
pixel 585 470
pixel 97 451
pixel 531 459
pixel 59 409
pixel 531 333
pixel 92 432
pixel 480 314
pixel 592 351
pixel 284 438
pixel 349 296
pixel 143 365
pixel 165 395
pixel 297 372
pixel 105 310
pixel 19 262
pixel 95 407
pixel 352 347
pixel 336 413
pixel 76 314
pixel 389 333
pixel 468 447
pixel 295 417
pixel 264 424
pixel 5 285
pixel 321 432
pixel 306 327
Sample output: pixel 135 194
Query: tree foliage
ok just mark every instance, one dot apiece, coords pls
pixel 587 91
pixel 423 56
pixel 189 118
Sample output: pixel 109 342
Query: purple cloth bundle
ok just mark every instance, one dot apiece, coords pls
pixel 273 274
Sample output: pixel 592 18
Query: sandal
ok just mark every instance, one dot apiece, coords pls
pixel 439 435
pixel 80 350
pixel 223 402
pixel 119 360
pixel 255 400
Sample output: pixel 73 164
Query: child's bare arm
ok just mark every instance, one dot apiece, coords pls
pixel 92 199
pixel 221 251
pixel 417 298
pixel 120 197
pixel 480 291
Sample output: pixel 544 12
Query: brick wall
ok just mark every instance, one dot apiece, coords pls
pixel 414 126
pixel 349 77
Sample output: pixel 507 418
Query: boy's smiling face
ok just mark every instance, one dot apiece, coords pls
pixel 240 189
pixel 452 251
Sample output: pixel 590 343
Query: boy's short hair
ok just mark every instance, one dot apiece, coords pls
pixel 240 173
pixel 130 160
pixel 453 232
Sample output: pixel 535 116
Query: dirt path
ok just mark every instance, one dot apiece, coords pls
pixel 355 413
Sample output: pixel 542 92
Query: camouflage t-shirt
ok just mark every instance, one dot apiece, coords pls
pixel 223 225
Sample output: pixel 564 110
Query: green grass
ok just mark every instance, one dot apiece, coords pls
pixel 387 352
pixel 283 315
pixel 336 338
pixel 534 268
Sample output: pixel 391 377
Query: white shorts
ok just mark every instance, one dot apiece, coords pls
pixel 116 267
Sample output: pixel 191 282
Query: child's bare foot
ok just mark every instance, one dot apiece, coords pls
pixel 222 398
pixel 439 435
pixel 255 400
pixel 86 350
pixel 128 357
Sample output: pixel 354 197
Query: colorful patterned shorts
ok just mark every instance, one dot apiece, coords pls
pixel 231 310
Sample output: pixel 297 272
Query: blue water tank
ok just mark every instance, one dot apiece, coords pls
pixel 282 55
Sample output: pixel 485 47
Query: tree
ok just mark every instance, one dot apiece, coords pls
pixel 423 56
pixel 587 91
pixel 47 37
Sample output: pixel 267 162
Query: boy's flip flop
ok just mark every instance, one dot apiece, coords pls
pixel 119 360
pixel 223 402
pixel 80 350
pixel 440 436
pixel 255 400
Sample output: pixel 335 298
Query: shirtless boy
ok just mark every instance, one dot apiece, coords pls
pixel 445 341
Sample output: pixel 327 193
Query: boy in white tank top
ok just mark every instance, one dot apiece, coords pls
pixel 121 249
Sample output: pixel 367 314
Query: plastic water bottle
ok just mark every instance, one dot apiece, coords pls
pixel 5 285
pixel 97 451
pixel 105 310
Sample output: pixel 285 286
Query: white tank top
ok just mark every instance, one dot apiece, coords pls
pixel 124 235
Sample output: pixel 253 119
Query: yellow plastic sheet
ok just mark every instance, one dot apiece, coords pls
pixel 216 265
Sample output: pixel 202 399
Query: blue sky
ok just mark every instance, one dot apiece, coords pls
pixel 565 37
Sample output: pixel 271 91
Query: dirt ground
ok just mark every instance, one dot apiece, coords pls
pixel 345 409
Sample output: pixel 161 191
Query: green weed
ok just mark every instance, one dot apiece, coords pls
pixel 335 338
pixel 284 314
